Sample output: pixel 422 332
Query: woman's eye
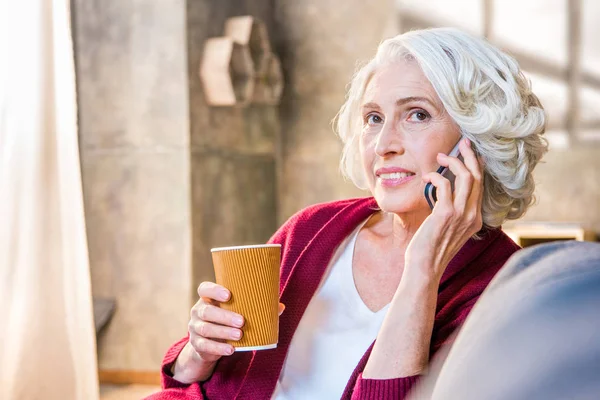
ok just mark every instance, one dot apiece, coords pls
pixel 419 115
pixel 373 119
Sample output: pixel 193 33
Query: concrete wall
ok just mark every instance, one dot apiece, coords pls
pixel 134 139
pixel 165 176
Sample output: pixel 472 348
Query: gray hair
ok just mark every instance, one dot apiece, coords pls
pixel 484 92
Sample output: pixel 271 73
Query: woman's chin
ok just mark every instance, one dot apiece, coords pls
pixel 399 203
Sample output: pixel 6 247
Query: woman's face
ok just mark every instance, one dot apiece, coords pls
pixel 404 127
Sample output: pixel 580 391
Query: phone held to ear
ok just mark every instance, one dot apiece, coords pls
pixel 430 190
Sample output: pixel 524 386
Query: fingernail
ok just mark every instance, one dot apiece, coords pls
pixel 224 295
pixel 467 141
pixel 238 321
pixel 229 350
pixel 236 335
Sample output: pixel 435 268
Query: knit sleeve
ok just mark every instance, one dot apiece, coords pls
pixel 166 377
pixel 379 389
pixel 173 389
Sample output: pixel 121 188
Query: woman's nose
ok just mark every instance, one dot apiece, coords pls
pixel 389 142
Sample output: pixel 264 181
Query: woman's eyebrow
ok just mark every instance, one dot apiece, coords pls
pixel 400 102
pixel 371 106
pixel 413 99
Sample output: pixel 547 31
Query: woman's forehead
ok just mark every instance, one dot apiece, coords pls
pixel 398 80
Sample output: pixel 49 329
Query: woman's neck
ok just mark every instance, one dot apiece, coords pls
pixel 395 229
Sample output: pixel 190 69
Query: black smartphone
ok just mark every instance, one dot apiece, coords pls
pixel 430 190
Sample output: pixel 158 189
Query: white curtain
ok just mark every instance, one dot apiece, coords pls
pixel 47 338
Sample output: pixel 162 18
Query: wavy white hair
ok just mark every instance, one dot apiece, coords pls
pixel 484 92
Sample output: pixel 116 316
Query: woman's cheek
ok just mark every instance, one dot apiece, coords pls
pixel 368 140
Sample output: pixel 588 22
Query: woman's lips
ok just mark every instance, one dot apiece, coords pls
pixel 393 176
pixel 394 179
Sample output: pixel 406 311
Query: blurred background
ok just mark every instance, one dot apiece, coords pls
pixel 167 175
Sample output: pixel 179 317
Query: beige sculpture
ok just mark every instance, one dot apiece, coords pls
pixel 250 32
pixel 227 72
pixel 240 68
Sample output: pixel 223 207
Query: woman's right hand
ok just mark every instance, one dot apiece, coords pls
pixel 209 325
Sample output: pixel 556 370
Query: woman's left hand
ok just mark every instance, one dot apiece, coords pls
pixel 456 216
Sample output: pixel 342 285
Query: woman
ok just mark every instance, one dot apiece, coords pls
pixel 387 267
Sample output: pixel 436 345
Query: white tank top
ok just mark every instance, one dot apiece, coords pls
pixel 333 335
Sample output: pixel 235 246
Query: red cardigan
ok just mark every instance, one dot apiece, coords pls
pixel 308 241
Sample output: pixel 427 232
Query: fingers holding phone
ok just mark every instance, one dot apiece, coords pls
pixel 458 182
pixel 431 189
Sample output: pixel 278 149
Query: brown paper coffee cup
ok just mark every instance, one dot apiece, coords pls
pixel 251 273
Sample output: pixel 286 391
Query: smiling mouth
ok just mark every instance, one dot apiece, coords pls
pixel 395 179
pixel 395 175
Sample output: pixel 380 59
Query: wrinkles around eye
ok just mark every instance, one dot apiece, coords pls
pixel 372 119
pixel 413 115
